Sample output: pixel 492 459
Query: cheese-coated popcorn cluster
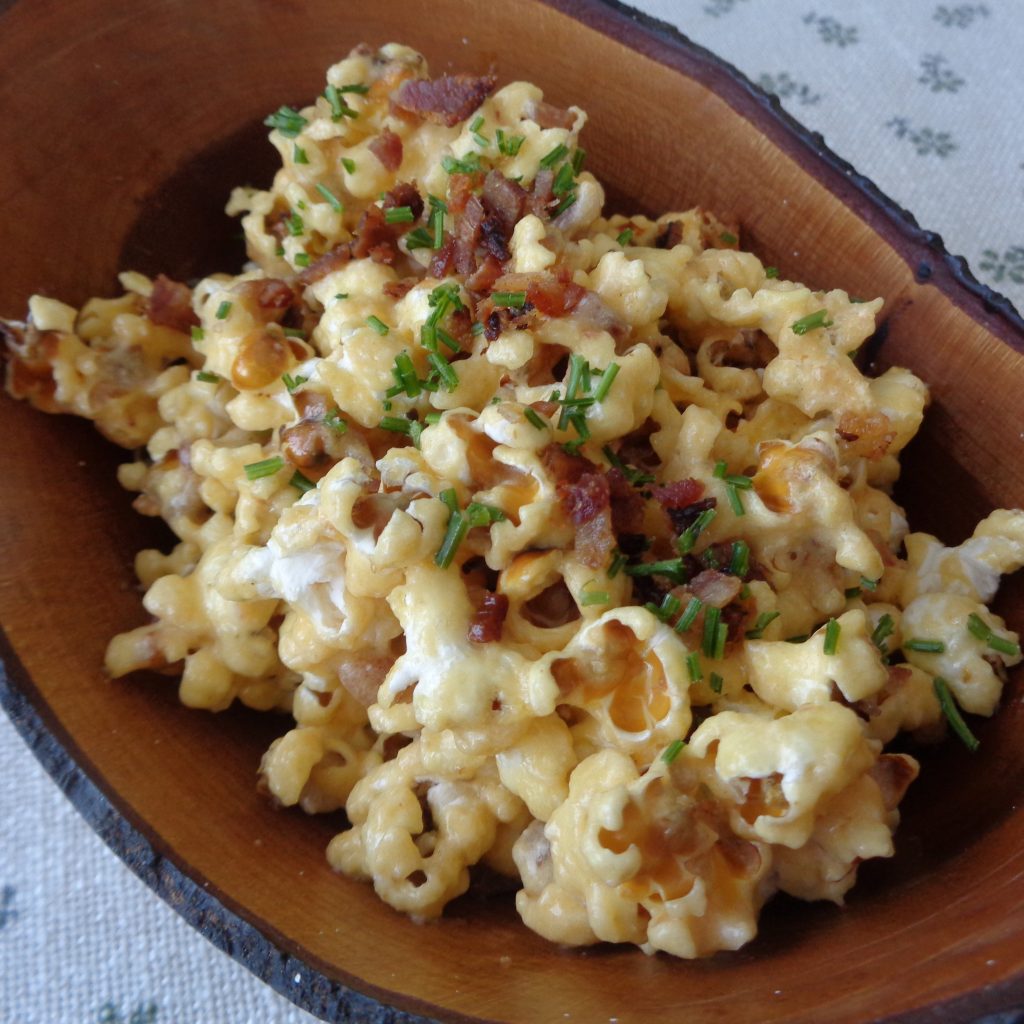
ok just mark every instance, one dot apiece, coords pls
pixel 566 540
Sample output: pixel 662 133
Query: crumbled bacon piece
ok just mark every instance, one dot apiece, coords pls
pixel 678 494
pixel 467 235
pixel 553 296
pixel 586 497
pixel 563 467
pixel 443 260
pixel 327 264
pixel 715 588
pixel 460 188
pixel 271 295
pixel 374 237
pixel 387 148
pixel 489 619
pixel 893 773
pixel 547 115
pixel 399 289
pixel 494 239
pixel 670 235
pixel 445 100
pixel 504 200
pixel 404 194
pixel 170 305
pixel 542 196
pixel 484 277
pixel 627 504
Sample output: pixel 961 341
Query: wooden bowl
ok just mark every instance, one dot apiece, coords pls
pixel 124 128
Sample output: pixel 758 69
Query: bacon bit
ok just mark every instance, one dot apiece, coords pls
pixel 326 264
pixel 445 100
pixel 374 237
pixel 547 115
pixel 399 289
pixel 275 224
pixel 170 305
pixel 592 312
pixel 868 435
pixel 542 197
pixel 678 494
pixel 404 194
pixel 467 235
pixel 484 277
pixel 460 188
pixel 595 540
pixel 586 497
pixel 362 675
pixel 715 588
pixel 271 296
pixel 489 618
pixel 670 235
pixel 553 296
pixel 894 773
pixel 443 260
pixel 504 199
pixel 563 467
pixel 494 239
pixel 684 517
pixel 627 504
pixel 30 357
pixel 387 148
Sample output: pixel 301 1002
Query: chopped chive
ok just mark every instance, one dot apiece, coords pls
pixel 693 666
pixel 477 123
pixel 589 597
pixel 334 421
pixel 445 370
pixel 509 145
pixel 618 563
pixel 338 296
pixel 771 271
pixel 720 470
pixel 279 251
pixel 505 299
pixel 564 205
pixel 670 604
pixel 739 565
pixel 299 154
pixel 378 325
pixel 437 228
pixel 291 383
pixel 208 377
pixel 671 567
pixel 197 333
pixel 925 646
pixel 398 424
pixel 710 559
pixel 469 164
pixel 479 514
pixel 288 121
pixel 688 538
pixel 458 527
pixel 301 482
pixel 688 617
pixel 339 108
pixel 625 237
pixel 331 198
pixel 295 225
pixel 550 159
pixel 832 631
pixel 302 259
pixel 800 638
pixel 980 629
pixel 882 631
pixel 563 182
pixel 728 237
pixel 419 238
pixel 223 310
pixel 762 622
pixel 744 483
pixel 867 584
pixel 721 635
pixel 709 640
pixel 607 379
pixel 633 475
pixel 356 87
pixel 349 164
pixel 953 716
pixel 577 160
pixel 447 340
pixel 534 417
pixel 450 498
pixel 745 592
pixel 432 418
pixel 265 467
pixel 399 215
pixel 735 501
pixel 851 592
pixel 294 332
pixel 405 374
pixel 477 329
pixel 672 751
pixel 811 322
pixel 716 682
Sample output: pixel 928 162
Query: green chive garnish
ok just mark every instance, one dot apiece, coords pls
pixel 458 527
pixel 378 325
pixel 832 630
pixel 589 597
pixel 735 501
pixel 693 667
pixel 550 159
pixel 688 538
pixel 266 467
pixel 882 631
pixel 728 237
pixel 208 377
pixel 331 198
pixel 334 421
pixel 301 482
pixel 302 259
pixel 980 629
pixel 688 617
pixel 739 565
pixel 445 370
pixel 811 322
pixel 672 751
pixel 299 155
pixel 505 299
pixel 291 383
pixel 709 641
pixel 618 563
pixel 925 646
pixel 953 716
pixel 771 271
pixel 716 682
pixel 399 215
pixel 509 145
pixel 534 418
pixel 607 379
pixel 197 333
pixel 288 121
pixel 349 164
pixel 763 620
pixel 625 237
pixel 223 310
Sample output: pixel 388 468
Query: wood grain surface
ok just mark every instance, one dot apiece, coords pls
pixel 124 128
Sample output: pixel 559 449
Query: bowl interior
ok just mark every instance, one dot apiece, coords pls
pixel 157 113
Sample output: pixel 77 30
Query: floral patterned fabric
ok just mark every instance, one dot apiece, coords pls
pixel 922 97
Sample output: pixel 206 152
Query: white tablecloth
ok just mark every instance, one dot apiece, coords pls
pixel 925 98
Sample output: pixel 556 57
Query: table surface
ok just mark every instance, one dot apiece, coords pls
pixel 917 96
